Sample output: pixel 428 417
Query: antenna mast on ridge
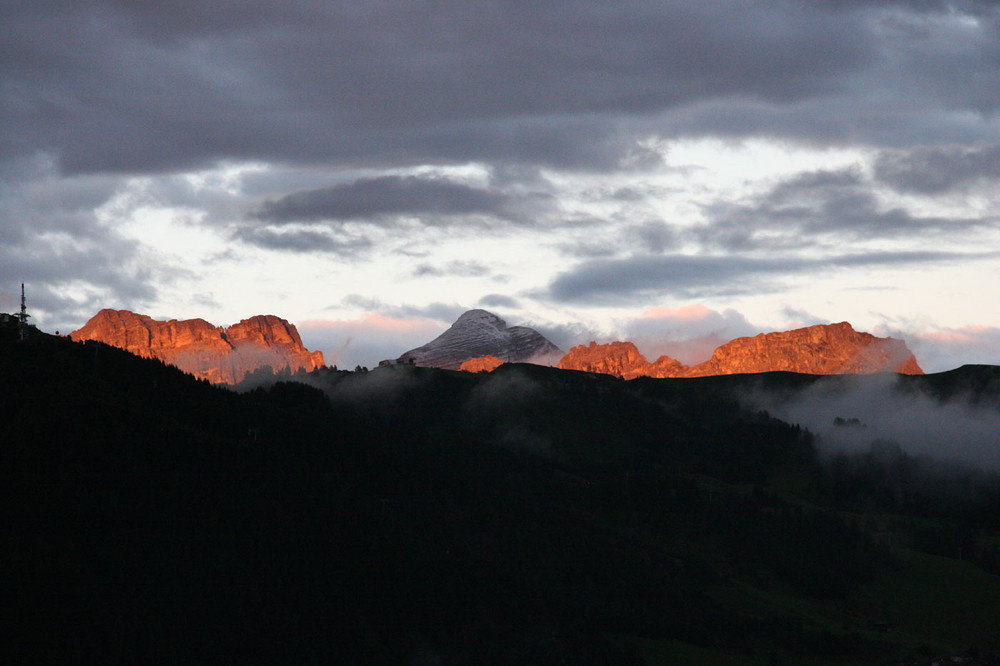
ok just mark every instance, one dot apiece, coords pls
pixel 22 319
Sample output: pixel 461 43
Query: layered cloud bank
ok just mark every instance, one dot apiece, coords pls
pixel 562 161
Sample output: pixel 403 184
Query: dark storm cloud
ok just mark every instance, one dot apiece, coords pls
pixel 115 266
pixel 687 276
pixel 443 312
pixel 815 183
pixel 111 89
pixel 655 236
pixel 52 238
pixel 384 197
pixel 566 336
pixel 608 279
pixel 67 283
pixel 452 268
pixel 351 217
pixel 33 200
pixel 806 209
pixel 140 87
pixel 933 170
pixel 888 258
pixel 978 6
pixel 498 301
pixel 302 240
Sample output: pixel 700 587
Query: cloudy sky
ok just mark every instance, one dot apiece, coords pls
pixel 676 173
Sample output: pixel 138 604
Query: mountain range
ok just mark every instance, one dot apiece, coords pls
pixel 479 341
pixel 831 349
pixel 219 355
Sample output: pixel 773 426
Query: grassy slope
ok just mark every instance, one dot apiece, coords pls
pixel 942 602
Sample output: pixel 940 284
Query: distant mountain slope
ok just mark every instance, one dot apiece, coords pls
pixel 480 333
pixel 818 350
pixel 220 355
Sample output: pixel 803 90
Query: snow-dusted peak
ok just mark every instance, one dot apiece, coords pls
pixel 480 333
pixel 480 318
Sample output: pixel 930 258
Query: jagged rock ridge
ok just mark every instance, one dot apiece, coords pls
pixel 480 333
pixel 220 355
pixel 831 349
pixel 621 359
pixel 819 350
pixel 481 364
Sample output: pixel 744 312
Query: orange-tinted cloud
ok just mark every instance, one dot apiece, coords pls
pixel 686 313
pixel 951 348
pixel 689 334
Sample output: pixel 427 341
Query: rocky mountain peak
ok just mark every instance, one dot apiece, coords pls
pixel 480 317
pixel 220 355
pixel 825 349
pixel 480 333
pixel 265 330
pixel 819 350
pixel 621 359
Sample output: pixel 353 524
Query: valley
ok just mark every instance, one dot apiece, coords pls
pixel 531 514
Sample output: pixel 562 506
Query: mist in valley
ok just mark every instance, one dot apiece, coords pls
pixel 849 413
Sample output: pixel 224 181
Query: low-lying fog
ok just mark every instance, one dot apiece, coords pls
pixel 849 413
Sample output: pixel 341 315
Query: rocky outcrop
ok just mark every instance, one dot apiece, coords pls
pixel 480 333
pixel 220 355
pixel 621 359
pixel 831 349
pixel 666 367
pixel 819 350
pixel 481 364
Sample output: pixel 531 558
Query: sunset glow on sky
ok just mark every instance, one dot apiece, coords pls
pixel 677 174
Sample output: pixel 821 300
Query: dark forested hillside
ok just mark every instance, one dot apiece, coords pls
pixel 412 515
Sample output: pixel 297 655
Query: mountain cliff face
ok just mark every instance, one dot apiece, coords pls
pixel 481 364
pixel 220 355
pixel 621 359
pixel 480 333
pixel 831 349
pixel 818 350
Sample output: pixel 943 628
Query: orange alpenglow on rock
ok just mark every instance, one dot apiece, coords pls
pixel 830 349
pixel 481 364
pixel 621 359
pixel 220 355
